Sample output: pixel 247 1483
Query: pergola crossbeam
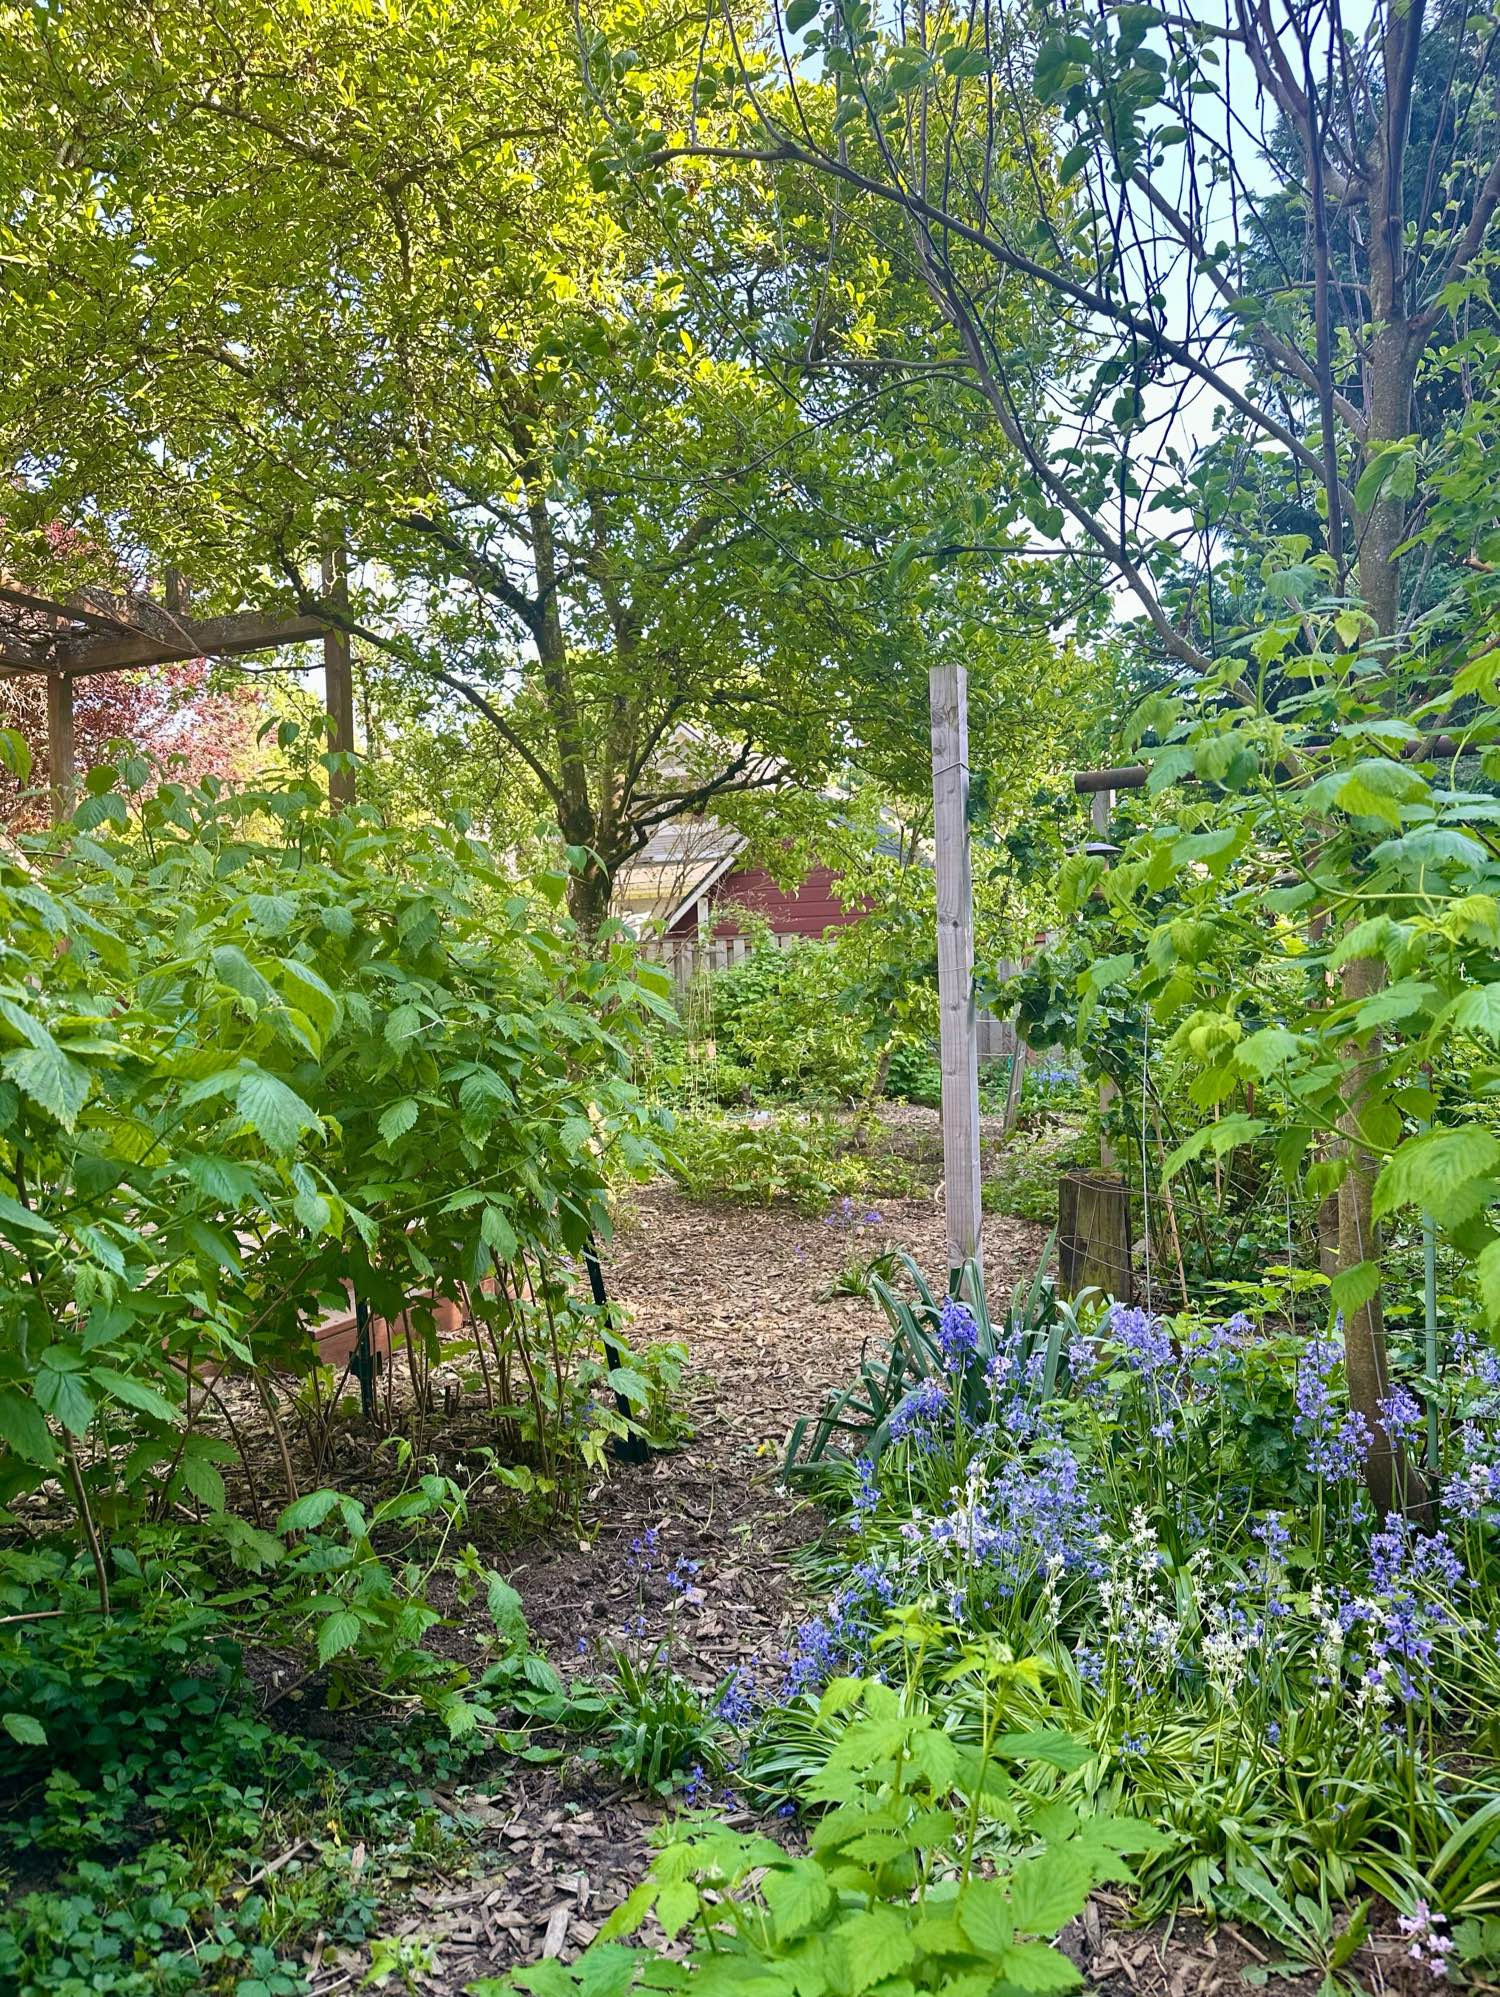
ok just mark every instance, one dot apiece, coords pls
pixel 140 633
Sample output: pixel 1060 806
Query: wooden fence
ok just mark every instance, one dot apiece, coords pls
pixel 686 957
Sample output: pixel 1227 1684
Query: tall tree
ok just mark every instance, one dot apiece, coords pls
pixel 336 275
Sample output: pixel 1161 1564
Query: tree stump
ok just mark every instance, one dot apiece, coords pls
pixel 1093 1235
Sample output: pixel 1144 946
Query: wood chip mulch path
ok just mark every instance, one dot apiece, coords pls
pixel 557 1847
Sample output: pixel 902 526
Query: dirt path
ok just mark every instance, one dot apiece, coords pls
pixel 740 1289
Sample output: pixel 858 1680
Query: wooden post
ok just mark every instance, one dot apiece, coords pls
pixel 338 679
pixel 948 696
pixel 61 753
pixel 1093 1235
pixel 1101 811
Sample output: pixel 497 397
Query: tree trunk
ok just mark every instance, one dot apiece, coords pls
pixel 589 889
pixel 1365 1359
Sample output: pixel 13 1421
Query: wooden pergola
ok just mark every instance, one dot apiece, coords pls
pixel 62 641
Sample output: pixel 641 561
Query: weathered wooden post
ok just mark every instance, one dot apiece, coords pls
pixel 948 697
pixel 62 756
pixel 1101 811
pixel 338 678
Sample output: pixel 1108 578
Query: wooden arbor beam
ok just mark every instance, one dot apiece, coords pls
pixel 190 638
pixel 130 636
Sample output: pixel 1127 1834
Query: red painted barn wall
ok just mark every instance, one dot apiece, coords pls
pixel 801 911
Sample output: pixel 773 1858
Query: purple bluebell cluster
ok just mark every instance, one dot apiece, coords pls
pixel 1014 1377
pixel 825 1646
pixel 683 1575
pixel 1413 1576
pixel 1338 1438
pixel 1478 1363
pixel 1144 1340
pixel 924 1417
pixel 1400 1416
pixel 1273 1535
pixel 1219 1344
pixel 1031 1518
pixel 697 1791
pixel 866 1490
pixel 1475 1484
pixel 736 1704
pixel 957 1334
pixel 644 1556
pixel 1083 1359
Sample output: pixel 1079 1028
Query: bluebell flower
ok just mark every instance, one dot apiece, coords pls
pixel 736 1703
pixel 823 1647
pixel 1413 1575
pixel 682 1573
pixel 697 1789
pixel 1400 1416
pixel 1275 1538
pixel 1145 1340
pixel 644 1556
pixel 867 1490
pixel 1338 1440
pixel 957 1334
pixel 923 1416
pixel 1469 1491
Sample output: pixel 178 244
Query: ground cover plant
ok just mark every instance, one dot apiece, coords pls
pixel 806 1157
pixel 1169 1514
pixel 170 1832
pixel 903 1877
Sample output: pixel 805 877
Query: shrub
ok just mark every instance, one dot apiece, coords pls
pixel 250 1053
pixel 783 1028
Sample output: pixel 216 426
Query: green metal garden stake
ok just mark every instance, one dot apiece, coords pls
pixel 1429 1293
pixel 362 1364
pixel 631 1448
